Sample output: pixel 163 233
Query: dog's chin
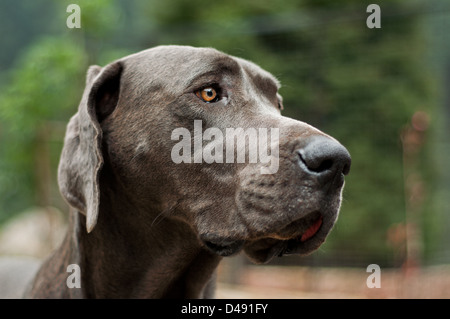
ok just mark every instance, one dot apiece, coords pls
pixel 263 250
pixel 224 248
pixel 300 237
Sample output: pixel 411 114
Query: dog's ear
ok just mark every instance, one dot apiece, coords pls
pixel 81 157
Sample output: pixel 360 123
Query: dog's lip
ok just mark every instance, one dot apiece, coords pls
pixel 312 230
pixel 298 237
pixel 223 247
pixel 302 229
pixel 305 241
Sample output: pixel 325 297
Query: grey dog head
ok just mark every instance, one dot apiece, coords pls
pixel 119 144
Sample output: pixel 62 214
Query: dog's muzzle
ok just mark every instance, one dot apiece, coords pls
pixel 281 224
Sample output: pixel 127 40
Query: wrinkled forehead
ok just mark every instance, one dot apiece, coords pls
pixel 263 80
pixel 181 66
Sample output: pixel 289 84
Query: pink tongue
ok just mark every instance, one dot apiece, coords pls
pixel 312 230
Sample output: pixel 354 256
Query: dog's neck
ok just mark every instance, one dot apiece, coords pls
pixel 128 260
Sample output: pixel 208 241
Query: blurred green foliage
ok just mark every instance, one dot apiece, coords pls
pixel 50 69
pixel 359 85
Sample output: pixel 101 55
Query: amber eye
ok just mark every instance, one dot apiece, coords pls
pixel 208 94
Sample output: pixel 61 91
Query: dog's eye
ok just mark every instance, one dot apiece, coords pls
pixel 280 102
pixel 208 94
pixel 280 106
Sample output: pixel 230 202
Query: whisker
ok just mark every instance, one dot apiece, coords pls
pixel 162 215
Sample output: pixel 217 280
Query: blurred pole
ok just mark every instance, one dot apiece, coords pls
pixel 413 138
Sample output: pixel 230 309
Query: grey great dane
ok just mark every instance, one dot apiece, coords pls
pixel 145 226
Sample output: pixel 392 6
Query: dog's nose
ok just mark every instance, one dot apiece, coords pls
pixel 325 158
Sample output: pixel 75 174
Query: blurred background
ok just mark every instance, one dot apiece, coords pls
pixel 383 93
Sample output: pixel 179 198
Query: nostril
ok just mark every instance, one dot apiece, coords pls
pixel 325 165
pixel 325 157
pixel 315 164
